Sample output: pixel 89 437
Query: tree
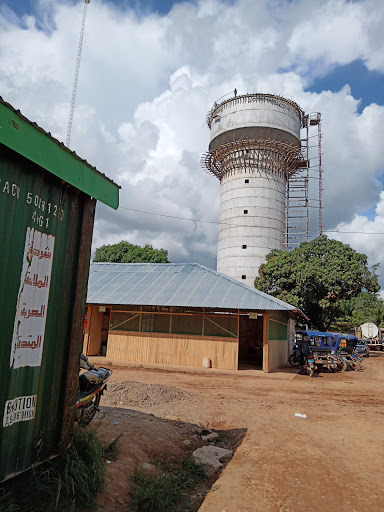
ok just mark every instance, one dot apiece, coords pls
pixel 317 277
pixel 365 307
pixel 124 252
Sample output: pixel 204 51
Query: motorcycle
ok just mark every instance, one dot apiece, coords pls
pixel 92 384
pixel 310 366
pixel 296 358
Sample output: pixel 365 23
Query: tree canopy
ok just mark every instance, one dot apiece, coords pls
pixel 366 307
pixel 318 277
pixel 124 252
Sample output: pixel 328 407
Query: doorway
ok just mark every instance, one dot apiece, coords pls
pixel 251 342
pixel 96 334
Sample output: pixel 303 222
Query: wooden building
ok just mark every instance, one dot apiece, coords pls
pixel 184 314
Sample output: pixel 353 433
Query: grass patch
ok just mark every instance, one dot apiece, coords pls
pixel 110 450
pixel 66 484
pixel 166 491
pixel 222 440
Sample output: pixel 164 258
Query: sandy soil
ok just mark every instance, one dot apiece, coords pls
pixel 331 460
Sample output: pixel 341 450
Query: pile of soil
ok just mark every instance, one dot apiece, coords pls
pixel 138 394
pixel 146 439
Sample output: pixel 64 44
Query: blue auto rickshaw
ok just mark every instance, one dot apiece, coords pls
pixel 318 351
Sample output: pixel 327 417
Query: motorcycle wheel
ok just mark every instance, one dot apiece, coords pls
pixel 293 361
pixel 90 410
pixel 311 372
pixel 343 366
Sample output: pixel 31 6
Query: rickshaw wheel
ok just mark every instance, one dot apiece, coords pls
pixel 293 362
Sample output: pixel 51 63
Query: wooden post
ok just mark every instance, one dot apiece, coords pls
pixel 87 331
pixel 238 338
pixel 141 317
pixel 266 365
pixel 203 327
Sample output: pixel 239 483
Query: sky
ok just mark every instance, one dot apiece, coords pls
pixel 151 70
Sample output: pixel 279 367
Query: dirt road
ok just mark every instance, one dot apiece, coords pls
pixel 331 460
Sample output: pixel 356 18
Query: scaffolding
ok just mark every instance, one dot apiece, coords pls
pixel 248 150
pixel 297 191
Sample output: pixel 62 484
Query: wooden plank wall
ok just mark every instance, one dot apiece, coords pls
pixel 92 338
pixel 278 354
pixel 276 340
pixel 266 367
pixel 186 350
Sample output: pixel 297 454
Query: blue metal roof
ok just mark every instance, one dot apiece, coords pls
pixel 174 284
pixel 317 333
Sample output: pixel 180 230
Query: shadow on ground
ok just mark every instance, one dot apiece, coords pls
pixel 144 441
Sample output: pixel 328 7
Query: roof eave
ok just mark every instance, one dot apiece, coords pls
pixel 298 312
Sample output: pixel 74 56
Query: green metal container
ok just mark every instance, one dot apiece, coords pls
pixel 47 205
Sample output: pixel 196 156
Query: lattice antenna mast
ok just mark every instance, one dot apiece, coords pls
pixel 320 178
pixel 79 49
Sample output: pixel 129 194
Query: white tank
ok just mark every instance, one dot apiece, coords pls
pixel 369 330
pixel 257 116
pixel 254 146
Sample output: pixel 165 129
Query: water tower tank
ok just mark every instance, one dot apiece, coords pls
pixel 254 149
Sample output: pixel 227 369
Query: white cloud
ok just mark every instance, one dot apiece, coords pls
pixel 335 31
pixel 147 81
pixel 356 234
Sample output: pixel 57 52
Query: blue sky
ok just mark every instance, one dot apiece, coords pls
pixel 21 7
pixel 365 84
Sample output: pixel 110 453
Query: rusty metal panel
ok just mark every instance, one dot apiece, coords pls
pixel 45 237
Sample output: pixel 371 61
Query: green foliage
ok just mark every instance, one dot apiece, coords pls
pixel 68 483
pixel 166 490
pixel 124 252
pixel 159 493
pixel 366 307
pixel 191 472
pixel 318 277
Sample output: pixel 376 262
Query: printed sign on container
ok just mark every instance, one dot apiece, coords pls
pixel 32 304
pixel 22 408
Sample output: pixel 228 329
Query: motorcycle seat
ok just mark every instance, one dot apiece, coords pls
pixel 93 376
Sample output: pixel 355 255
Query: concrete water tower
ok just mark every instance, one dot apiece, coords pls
pixel 254 150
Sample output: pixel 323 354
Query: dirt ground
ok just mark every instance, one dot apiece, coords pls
pixel 331 460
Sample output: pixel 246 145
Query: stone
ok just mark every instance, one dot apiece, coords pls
pixel 210 457
pixel 210 437
pixel 148 469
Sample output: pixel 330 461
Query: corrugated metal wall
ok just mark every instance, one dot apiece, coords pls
pixel 45 237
